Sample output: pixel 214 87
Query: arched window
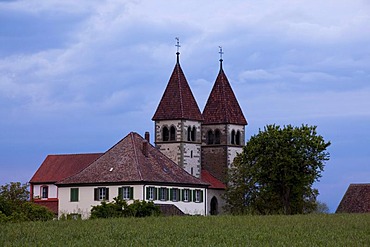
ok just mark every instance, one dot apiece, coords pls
pixel 233 137
pixel 210 137
pixel 165 134
pixel 217 136
pixel 237 137
pixel 193 134
pixel 189 133
pixel 172 133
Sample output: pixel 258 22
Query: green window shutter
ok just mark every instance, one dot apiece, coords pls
pixel 160 193
pixel 131 193
pixel 201 196
pixel 147 193
pixel 96 194
pixel 171 194
pixel 182 194
pixel 194 195
pixel 74 194
pixel 167 192
pixel 190 195
pixel 155 196
pixel 107 194
pixel 120 193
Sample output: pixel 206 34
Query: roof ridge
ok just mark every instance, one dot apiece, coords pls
pixel 135 154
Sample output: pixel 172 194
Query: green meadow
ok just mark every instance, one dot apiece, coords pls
pixel 277 230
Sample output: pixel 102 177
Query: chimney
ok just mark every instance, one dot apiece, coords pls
pixel 145 148
pixel 147 138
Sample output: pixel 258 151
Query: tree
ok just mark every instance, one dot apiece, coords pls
pixel 12 196
pixel 14 205
pixel 276 170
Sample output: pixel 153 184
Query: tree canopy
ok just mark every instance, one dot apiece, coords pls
pixel 14 205
pixel 276 170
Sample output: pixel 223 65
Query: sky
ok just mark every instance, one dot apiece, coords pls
pixel 78 76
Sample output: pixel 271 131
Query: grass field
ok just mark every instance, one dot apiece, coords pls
pixel 299 230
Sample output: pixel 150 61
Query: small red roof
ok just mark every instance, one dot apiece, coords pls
pixel 177 101
pixel 210 179
pixel 133 159
pixel 356 199
pixel 58 167
pixel 222 107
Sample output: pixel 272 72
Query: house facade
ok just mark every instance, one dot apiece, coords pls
pixel 186 168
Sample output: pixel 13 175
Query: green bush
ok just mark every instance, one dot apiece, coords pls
pixel 120 208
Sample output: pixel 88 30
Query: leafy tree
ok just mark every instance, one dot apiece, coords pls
pixel 276 170
pixel 12 196
pixel 14 205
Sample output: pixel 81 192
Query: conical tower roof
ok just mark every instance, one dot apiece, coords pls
pixel 177 101
pixel 222 107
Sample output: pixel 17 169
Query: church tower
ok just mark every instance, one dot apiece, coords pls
pixel 223 128
pixel 178 123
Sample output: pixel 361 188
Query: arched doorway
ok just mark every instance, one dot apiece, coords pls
pixel 214 206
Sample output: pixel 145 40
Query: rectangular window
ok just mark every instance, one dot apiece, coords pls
pixel 126 193
pixel 174 194
pixel 198 195
pixel 151 193
pixel 163 194
pixel 186 196
pixel 101 194
pixel 74 194
pixel 44 192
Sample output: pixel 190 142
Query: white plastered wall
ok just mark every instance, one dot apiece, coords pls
pixel 86 200
pixel 52 191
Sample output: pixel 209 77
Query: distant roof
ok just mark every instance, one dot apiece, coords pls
pixel 60 166
pixel 177 101
pixel 356 199
pixel 222 107
pixel 213 181
pixel 127 161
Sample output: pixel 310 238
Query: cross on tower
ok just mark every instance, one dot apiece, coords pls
pixel 221 52
pixel 178 44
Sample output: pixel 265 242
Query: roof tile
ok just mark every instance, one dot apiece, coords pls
pixel 177 101
pixel 58 167
pixel 222 106
pixel 356 199
pixel 126 162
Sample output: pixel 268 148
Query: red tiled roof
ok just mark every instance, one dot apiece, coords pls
pixel 222 106
pixel 356 199
pixel 58 167
pixel 126 162
pixel 177 101
pixel 214 182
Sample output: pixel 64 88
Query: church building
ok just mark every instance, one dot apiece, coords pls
pixel 185 169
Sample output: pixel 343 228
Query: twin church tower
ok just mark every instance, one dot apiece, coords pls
pixel 196 141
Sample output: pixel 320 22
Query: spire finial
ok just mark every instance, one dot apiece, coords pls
pixel 178 48
pixel 221 53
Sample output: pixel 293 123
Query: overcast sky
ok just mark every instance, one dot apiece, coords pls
pixel 77 76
